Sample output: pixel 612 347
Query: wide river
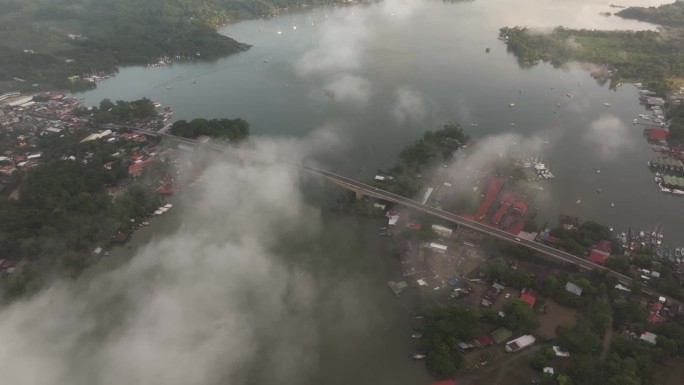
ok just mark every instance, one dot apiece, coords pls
pixel 377 76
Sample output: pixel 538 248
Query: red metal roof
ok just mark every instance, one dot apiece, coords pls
pixel 135 167
pixel 485 340
pixel 604 246
pixel 657 133
pixel 598 256
pixel 492 192
pixel 528 299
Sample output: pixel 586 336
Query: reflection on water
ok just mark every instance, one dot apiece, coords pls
pixel 378 75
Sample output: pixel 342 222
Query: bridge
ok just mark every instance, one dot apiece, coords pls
pixel 361 189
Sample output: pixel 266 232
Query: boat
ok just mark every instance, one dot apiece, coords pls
pixel 599 190
pixel 168 88
pixel 145 223
pixel 578 201
pixel 568 95
pixel 612 204
pixel 416 335
pixel 678 192
pixel 265 60
pixel 511 105
pixel 418 356
pixel 606 104
pixel 473 124
pixel 511 124
pixel 610 228
pixel 557 104
pixel 664 189
pixel 635 121
pixel 598 171
pixel 168 206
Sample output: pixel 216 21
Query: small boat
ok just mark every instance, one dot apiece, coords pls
pixel 612 204
pixel 599 190
pixel 473 124
pixel 598 171
pixel 145 223
pixel 606 104
pixel 578 201
pixel 511 124
pixel 568 95
pixel 418 356
pixel 511 105
pixel 168 206
pixel 169 88
pixel 265 60
pixel 635 121
pixel 416 335
pixel 610 228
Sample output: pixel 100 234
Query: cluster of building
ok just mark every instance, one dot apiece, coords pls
pixel 501 207
pixel 25 119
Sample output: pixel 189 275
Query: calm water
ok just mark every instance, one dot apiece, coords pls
pixel 379 76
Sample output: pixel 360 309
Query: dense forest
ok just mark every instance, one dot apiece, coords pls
pixel 44 42
pixel 624 55
pixel 434 147
pixel 233 130
pixel 671 15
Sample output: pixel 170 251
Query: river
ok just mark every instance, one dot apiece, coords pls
pixel 378 76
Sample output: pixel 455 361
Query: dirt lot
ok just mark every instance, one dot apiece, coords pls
pixel 556 315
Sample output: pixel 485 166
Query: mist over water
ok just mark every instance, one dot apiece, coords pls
pixel 254 286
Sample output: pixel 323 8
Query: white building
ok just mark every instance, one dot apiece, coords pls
pixel 442 231
pixel 648 337
pixel 437 247
pixel 520 343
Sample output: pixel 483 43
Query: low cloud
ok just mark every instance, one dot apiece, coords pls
pixel 349 89
pixel 401 9
pixel 409 105
pixel 213 303
pixel 609 136
pixel 340 45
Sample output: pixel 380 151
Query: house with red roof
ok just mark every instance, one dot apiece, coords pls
pixel 657 134
pixel 528 299
pixel 600 253
pixel 136 168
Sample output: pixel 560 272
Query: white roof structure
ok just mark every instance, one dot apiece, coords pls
pixel 442 230
pixel 438 247
pixel 661 299
pixel 21 101
pixel 648 337
pixel 421 282
pixel 548 370
pixel 574 289
pixel 622 288
pixel 559 352
pixel 520 343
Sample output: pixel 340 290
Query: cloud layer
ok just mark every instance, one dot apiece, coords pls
pixel 609 136
pixel 212 304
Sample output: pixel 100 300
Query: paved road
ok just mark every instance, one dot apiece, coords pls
pixel 391 197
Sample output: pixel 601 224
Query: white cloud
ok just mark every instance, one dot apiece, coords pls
pixel 409 105
pixel 350 89
pixel 340 45
pixel 609 136
pixel 202 306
